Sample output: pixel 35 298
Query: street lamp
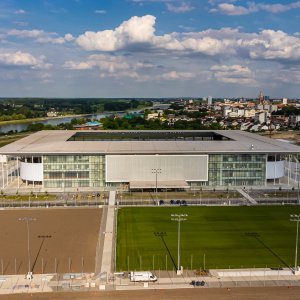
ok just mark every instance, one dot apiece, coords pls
pixel 296 218
pixel 27 220
pixel 156 171
pixel 179 218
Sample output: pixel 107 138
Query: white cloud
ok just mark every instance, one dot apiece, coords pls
pixel 279 8
pixel 26 33
pixel 73 65
pixel 19 23
pixel 22 59
pixel 68 37
pixel 175 6
pixel 106 63
pixel 175 75
pixel 110 66
pixel 282 76
pixel 181 8
pixel 135 30
pixel 46 78
pixel 213 2
pixel 138 33
pixel 235 74
pixel 122 67
pixel 20 12
pixel 230 9
pixel 100 11
pixel 273 45
pixel 41 36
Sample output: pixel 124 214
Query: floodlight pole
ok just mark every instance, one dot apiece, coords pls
pixel 296 218
pixel 179 218
pixel 27 220
pixel 156 171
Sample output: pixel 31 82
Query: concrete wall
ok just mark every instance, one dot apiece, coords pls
pixel 126 168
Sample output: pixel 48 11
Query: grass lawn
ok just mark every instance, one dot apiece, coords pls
pixel 232 237
pixel 40 197
pixel 193 195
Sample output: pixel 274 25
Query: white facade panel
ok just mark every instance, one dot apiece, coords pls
pixel 275 169
pixel 31 171
pixel 126 168
pixel 3 158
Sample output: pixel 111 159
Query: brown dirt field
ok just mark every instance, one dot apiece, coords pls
pixel 275 293
pixel 56 233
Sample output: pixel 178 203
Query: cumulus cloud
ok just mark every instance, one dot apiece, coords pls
pixel 41 36
pixel 230 9
pixel 235 74
pixel 135 30
pixel 138 33
pixel 22 59
pixel 273 45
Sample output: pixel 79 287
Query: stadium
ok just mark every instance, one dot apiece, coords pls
pixel 100 239
pixel 133 160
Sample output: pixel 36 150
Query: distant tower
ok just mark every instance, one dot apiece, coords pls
pixel 284 101
pixel 209 100
pixel 261 98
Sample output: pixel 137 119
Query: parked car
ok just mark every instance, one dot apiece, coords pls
pixel 161 202
pixel 172 202
pixel 197 283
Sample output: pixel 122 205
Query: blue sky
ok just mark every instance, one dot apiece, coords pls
pixel 149 48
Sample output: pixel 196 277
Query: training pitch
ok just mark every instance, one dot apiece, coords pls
pixel 61 240
pixel 211 237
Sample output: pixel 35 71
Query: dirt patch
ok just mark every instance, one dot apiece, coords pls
pixel 61 240
pixel 277 293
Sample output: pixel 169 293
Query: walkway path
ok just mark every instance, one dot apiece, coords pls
pixel 246 196
pixel 107 256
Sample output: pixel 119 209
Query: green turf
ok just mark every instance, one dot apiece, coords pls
pixel 232 237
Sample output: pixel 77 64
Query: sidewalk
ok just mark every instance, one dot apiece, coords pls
pixel 11 284
pixel 106 265
pixel 246 196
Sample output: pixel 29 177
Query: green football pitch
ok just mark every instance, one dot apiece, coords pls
pixel 211 237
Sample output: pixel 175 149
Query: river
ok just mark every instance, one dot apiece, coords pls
pixel 18 127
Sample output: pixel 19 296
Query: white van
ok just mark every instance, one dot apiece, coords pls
pixel 142 276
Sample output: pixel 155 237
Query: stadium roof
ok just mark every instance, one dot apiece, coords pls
pixel 150 142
